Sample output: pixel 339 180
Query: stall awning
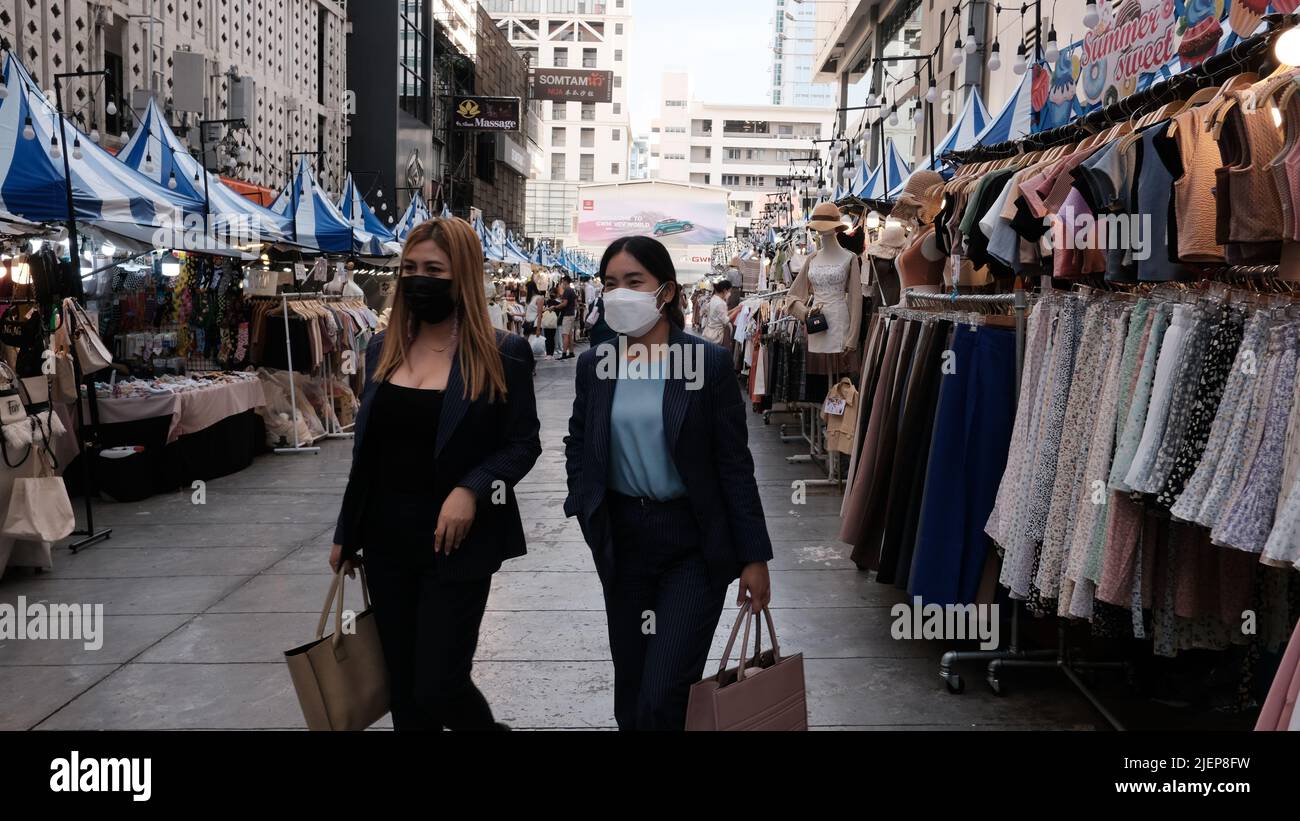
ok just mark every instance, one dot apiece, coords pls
pixel 965 132
pixel 889 173
pixel 156 152
pixel 514 254
pixel 317 223
pixel 416 213
pixel 1015 120
pixel 105 192
pixel 378 240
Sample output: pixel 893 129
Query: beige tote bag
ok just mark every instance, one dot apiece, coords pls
pixel 39 507
pixel 765 693
pixel 91 352
pixel 341 680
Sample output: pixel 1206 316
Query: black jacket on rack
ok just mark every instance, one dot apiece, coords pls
pixel 479 443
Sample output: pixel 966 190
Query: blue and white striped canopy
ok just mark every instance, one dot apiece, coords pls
pixel 416 213
pixel 514 254
pixel 106 194
pixel 965 132
pixel 446 212
pixel 155 151
pixel 889 173
pixel 379 241
pixel 1015 120
pixel 317 223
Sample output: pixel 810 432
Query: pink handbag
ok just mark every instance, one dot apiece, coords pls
pixel 765 693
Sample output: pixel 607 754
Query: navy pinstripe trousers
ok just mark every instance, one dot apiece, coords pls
pixel 663 610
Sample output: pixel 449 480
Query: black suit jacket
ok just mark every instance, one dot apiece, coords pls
pixel 708 439
pixel 479 444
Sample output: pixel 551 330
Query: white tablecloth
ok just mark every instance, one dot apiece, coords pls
pixel 190 411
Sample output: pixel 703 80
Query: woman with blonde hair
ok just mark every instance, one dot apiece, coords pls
pixel 447 427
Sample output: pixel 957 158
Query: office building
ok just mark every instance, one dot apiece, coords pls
pixel 793 48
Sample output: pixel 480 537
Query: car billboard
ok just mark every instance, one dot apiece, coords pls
pixel 675 214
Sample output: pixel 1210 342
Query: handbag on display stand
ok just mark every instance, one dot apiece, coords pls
pixel 92 354
pixel 816 320
pixel 39 507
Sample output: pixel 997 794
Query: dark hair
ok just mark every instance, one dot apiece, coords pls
pixel 566 278
pixel 654 257
pixel 722 285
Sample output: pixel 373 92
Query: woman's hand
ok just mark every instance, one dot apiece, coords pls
pixel 336 558
pixel 454 520
pixel 755 586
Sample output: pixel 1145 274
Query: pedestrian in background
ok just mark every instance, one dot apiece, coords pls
pixel 568 311
pixel 550 322
pixel 662 482
pixel 447 421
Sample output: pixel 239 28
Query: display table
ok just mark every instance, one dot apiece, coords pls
pixel 196 433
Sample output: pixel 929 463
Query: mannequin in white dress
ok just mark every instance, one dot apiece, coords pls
pixel 832 276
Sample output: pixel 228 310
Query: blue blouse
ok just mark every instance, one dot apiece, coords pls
pixel 640 464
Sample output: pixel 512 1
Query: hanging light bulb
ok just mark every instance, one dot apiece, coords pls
pixel 873 220
pixel 970 39
pixel 380 193
pixel 958 53
pixel 55 151
pixel 110 108
pixel 932 93
pixel 148 163
pixel 76 148
pixel 4 89
pixel 995 57
pixel 125 136
pixel 918 116
pixel 383 207
pixel 196 176
pixel 390 219
pixel 1287 47
pixel 893 115
pixel 171 180
pixel 1020 66
pixel 29 133
pixel 1090 16
pixel 94 132
pixel 1052 51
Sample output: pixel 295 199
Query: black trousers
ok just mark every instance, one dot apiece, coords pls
pixel 549 333
pixel 429 631
pixel 662 609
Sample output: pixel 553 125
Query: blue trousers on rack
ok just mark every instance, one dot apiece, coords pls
pixel 968 453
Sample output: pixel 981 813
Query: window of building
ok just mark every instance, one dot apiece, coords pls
pixel 558 169
pixel 613 168
pixel 587 168
pixel 744 127
pixel 733 153
pixel 559 111
pixel 754 182
pixel 654 130
pixel 618 28
pixel 559 137
pixel 753 154
pixel 674 156
pixel 618 55
pixel 618 81
pixel 708 153
pixel 674 104
pixel 588 138
pixel 730 181
pixel 588 58
pixel 617 134
pixel 412 65
pixel 618 108
pixel 561 59
pixel 588 111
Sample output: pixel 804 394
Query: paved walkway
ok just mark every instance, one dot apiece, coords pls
pixel 201 602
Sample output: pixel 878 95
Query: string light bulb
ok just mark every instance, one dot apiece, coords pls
pixel 1021 65
pixel 29 133
pixel 958 53
pixel 932 93
pixel 893 115
pixel 1287 47
pixel 1053 50
pixel 55 152
pixel 110 108
pixel 918 116
pixel 995 57
pixel 970 39
pixel 1090 16
pixel 94 132
pixel 171 180
pixel 76 148
pixel 4 89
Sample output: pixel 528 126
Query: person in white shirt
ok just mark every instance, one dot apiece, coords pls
pixel 496 316
pixel 717 325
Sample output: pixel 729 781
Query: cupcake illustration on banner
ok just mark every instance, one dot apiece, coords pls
pixel 1245 16
pixel 1201 32
pixel 1285 6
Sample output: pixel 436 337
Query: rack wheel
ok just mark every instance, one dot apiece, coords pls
pixel 955 684
pixel 996 686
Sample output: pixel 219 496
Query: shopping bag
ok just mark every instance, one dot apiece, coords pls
pixel 91 352
pixel 341 680
pixel 39 507
pixel 538 344
pixel 765 693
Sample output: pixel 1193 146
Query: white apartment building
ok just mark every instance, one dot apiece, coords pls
pixel 793 46
pixel 638 167
pixel 460 19
pixel 580 142
pixel 746 149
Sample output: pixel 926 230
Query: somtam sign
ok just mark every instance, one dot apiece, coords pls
pixel 562 84
pixel 1136 43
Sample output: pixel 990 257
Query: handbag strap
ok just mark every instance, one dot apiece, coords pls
pixel 731 640
pixel 335 597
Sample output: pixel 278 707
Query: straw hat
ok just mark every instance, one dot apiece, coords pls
pixel 893 239
pixel 922 194
pixel 826 217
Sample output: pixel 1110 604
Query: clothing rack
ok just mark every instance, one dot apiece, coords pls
pixel 334 431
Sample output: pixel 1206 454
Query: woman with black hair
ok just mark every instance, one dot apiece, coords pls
pixel 662 482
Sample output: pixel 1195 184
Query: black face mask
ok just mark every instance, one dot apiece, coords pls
pixel 428 298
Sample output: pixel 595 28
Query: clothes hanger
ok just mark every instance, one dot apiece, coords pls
pixel 1230 95
pixel 1264 89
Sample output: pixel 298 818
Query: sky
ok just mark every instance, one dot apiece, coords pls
pixel 723 44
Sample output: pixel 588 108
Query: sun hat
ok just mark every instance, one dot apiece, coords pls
pixel 826 217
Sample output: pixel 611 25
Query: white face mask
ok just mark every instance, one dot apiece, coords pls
pixel 632 312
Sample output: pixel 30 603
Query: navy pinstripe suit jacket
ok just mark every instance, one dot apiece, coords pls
pixel 492 442
pixel 707 435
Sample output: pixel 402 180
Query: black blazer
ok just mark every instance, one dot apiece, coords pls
pixel 708 439
pixel 492 441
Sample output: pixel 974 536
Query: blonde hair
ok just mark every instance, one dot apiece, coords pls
pixel 480 359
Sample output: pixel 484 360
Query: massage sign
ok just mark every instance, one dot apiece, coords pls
pixel 475 113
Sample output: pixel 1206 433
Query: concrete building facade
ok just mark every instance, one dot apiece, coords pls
pixel 579 142
pixel 794 45
pixel 280 64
